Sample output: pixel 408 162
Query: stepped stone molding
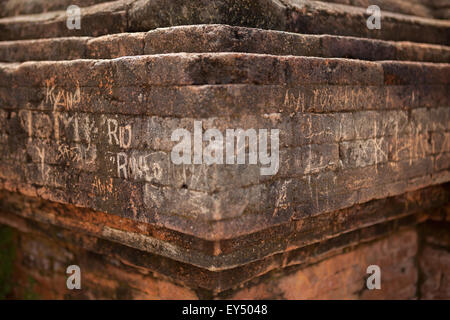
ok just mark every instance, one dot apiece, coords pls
pixel 218 38
pixel 360 119
pixel 127 276
pixel 46 218
pixel 339 162
pixel 10 8
pixel 426 9
pixel 288 15
pixel 420 8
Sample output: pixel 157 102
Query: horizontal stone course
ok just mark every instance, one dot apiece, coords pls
pixel 218 38
pixel 153 133
pixel 289 15
pixel 438 9
pixel 99 19
pixel 196 69
pixel 328 160
pixel 206 230
pixel 19 7
pixel 397 129
pixel 341 276
pixel 235 100
pixel 86 118
pixel 222 279
pixel 220 254
pixel 206 194
pixel 134 74
pixel 415 7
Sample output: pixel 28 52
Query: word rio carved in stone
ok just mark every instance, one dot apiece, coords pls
pixel 119 135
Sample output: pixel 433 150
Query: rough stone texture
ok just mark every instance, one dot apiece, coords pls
pixel 343 276
pixel 19 7
pixel 218 38
pixel 420 8
pixel 180 275
pixel 222 254
pixel 86 176
pixel 100 19
pixel 56 137
pixel 434 266
pixel 40 273
pixel 435 256
pixel 40 268
pixel 288 15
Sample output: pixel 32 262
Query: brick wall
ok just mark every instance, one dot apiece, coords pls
pixel 87 175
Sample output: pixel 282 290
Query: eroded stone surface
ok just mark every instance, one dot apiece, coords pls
pixel 221 254
pixel 328 161
pixel 288 15
pixel 218 38
pixel 19 7
pixel 86 174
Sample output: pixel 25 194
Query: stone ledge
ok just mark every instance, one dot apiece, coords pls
pixel 295 16
pixel 219 280
pixel 224 254
pixel 9 8
pixel 69 156
pixel 218 38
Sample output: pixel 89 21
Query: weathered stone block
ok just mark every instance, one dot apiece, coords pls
pixel 359 152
